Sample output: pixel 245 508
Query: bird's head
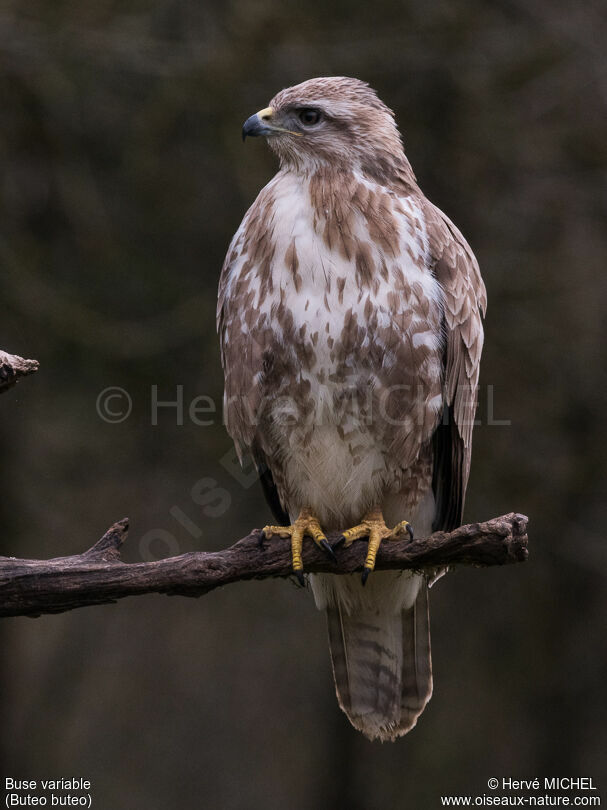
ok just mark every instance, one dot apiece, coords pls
pixel 335 121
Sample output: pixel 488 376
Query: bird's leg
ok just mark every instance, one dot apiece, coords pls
pixel 374 527
pixel 306 523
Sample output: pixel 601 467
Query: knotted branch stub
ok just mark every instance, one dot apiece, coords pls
pixel 12 368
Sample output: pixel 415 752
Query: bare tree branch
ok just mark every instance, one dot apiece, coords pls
pixel 12 367
pixel 33 587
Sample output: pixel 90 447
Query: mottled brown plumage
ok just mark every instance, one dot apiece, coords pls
pixel 349 316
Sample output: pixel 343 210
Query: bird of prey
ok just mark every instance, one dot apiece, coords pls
pixel 349 317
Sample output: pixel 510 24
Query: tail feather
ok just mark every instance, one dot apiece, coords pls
pixel 416 684
pixel 382 665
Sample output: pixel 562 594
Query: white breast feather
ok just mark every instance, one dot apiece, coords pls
pixel 334 487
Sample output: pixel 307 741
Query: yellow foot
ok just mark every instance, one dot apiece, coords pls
pixel 374 527
pixel 306 523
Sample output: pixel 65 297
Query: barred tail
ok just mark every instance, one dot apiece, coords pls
pixel 382 665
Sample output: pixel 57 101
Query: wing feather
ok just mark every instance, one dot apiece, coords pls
pixel 465 301
pixel 244 359
pixel 241 356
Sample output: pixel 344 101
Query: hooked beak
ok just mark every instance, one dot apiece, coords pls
pixel 258 124
pixel 262 124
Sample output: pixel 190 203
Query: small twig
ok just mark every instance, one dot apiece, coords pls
pixel 33 587
pixel 12 367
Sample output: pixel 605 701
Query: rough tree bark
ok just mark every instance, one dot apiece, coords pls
pixel 33 587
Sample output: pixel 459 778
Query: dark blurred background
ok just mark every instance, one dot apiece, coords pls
pixel 123 180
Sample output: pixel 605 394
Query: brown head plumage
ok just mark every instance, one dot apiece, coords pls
pixel 335 121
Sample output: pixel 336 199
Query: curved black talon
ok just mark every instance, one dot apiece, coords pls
pixel 300 578
pixel 325 544
pixel 410 530
pixel 365 576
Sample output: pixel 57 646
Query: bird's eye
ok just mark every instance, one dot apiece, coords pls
pixel 309 116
